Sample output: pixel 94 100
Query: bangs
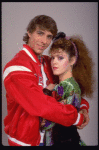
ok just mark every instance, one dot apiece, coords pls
pixel 57 45
pixel 56 50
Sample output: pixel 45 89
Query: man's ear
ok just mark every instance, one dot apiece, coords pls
pixel 29 34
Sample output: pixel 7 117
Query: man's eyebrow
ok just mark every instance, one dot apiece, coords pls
pixel 40 31
pixel 50 35
pixel 43 31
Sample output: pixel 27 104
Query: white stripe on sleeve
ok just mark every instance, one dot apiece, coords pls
pixel 78 118
pixel 83 105
pixel 14 68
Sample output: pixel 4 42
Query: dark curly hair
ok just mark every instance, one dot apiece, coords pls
pixel 83 69
pixel 43 22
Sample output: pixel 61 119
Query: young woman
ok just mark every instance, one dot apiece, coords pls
pixel 71 62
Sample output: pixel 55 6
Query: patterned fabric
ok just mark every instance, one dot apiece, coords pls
pixel 82 143
pixel 70 92
pixel 41 59
pixel 67 92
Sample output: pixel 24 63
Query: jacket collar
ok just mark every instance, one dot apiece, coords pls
pixel 30 53
pixel 35 59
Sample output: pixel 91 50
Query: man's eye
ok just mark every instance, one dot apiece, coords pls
pixel 60 57
pixel 50 37
pixel 40 33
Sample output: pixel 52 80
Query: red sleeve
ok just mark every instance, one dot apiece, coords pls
pixel 23 88
pixel 84 104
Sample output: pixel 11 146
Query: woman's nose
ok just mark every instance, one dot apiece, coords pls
pixel 55 60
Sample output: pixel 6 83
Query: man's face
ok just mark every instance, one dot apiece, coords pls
pixel 39 40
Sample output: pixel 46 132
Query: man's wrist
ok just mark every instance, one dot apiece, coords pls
pixel 84 108
pixel 80 119
pixel 47 92
pixel 84 111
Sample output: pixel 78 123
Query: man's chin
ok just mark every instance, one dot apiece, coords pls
pixel 39 52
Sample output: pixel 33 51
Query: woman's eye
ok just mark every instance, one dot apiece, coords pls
pixel 60 57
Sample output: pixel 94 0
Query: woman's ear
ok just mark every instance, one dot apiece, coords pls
pixel 73 60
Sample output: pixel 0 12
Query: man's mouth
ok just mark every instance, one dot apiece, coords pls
pixel 41 47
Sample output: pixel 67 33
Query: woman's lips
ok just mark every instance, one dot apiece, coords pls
pixel 55 68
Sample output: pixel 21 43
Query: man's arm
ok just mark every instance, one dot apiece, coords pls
pixel 23 88
pixel 86 116
pixel 84 104
pixel 84 109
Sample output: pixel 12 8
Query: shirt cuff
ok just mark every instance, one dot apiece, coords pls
pixel 83 106
pixel 79 120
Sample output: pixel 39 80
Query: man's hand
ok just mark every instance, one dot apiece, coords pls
pixel 86 116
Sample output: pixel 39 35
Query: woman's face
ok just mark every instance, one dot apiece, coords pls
pixel 60 62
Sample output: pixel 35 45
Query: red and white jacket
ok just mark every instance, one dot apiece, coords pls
pixel 26 101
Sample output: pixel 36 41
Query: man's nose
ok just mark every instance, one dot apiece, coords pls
pixel 44 40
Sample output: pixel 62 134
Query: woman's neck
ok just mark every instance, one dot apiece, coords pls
pixel 65 76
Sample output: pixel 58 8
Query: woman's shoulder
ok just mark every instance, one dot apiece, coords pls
pixel 67 87
pixel 70 85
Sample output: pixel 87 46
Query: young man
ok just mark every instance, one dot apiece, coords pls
pixel 25 76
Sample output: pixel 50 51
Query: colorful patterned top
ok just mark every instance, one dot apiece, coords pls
pixel 69 92
pixel 66 92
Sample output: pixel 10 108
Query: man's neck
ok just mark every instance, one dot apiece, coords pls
pixel 35 52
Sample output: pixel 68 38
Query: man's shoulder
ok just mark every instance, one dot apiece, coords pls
pixel 47 58
pixel 20 59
